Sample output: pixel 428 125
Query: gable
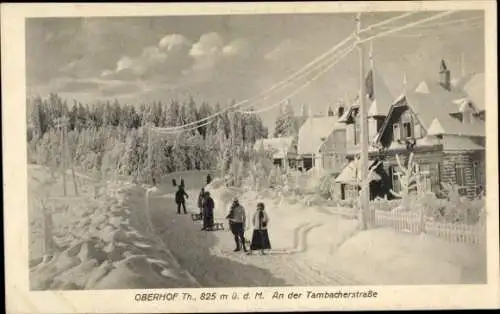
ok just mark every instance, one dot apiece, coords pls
pixel 314 132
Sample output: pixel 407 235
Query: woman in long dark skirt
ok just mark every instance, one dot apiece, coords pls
pixel 208 212
pixel 260 237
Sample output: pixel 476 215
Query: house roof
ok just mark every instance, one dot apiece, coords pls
pixel 351 173
pixel 451 126
pixel 459 143
pixel 314 131
pixel 280 145
pixel 382 96
pixel 429 100
pixel 474 87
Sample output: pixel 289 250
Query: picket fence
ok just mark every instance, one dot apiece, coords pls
pixel 414 223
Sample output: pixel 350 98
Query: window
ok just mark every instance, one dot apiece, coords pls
pixel 396 184
pixel 407 124
pixel 424 177
pixel 478 173
pixel 396 132
pixel 460 179
pixel 407 130
pixel 467 117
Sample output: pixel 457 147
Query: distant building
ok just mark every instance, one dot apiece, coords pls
pixel 315 137
pixel 282 149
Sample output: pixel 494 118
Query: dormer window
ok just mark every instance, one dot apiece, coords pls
pixel 407 125
pixel 396 131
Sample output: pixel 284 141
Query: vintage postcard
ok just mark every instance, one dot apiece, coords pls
pixel 234 157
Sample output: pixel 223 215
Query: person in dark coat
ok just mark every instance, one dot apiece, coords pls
pixel 180 199
pixel 209 178
pixel 182 183
pixel 260 237
pixel 174 183
pixel 208 211
pixel 201 199
pixel 237 223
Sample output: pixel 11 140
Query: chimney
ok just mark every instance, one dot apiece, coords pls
pixel 340 109
pixel 445 76
pixel 330 112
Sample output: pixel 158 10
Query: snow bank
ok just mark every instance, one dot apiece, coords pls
pixel 383 256
pixel 96 247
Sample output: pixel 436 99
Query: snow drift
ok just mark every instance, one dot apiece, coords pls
pixel 100 244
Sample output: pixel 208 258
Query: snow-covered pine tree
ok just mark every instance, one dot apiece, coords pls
pixel 286 124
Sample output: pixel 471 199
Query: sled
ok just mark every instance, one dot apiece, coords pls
pixel 196 217
pixel 217 226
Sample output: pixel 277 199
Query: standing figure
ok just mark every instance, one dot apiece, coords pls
pixel 260 237
pixel 174 183
pixel 182 183
pixel 237 221
pixel 180 200
pixel 201 199
pixel 209 178
pixel 208 211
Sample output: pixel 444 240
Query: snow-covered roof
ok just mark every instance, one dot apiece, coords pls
pixel 314 132
pixel 351 173
pixel 357 149
pixel 421 142
pixel 382 96
pixel 459 143
pixel 475 90
pixel 436 102
pixel 279 145
pixel 449 142
pixel 451 126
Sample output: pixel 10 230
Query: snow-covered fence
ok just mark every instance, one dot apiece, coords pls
pixel 412 222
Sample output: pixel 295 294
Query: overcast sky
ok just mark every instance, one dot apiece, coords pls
pixel 220 58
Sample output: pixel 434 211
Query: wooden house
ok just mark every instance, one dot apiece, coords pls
pixel 444 127
pixel 313 135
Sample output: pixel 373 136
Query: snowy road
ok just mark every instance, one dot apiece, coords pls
pixel 191 248
pixel 207 256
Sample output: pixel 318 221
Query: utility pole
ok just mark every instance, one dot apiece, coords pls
pixel 364 195
pixel 66 158
pixel 69 156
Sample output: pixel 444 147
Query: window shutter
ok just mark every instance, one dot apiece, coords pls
pixel 396 131
pixel 418 130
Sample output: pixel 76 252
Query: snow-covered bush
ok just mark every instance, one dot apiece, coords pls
pixel 455 208
pixel 351 203
pixel 326 186
pixel 384 205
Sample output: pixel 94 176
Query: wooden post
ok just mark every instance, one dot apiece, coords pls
pixel 364 196
pixel 150 155
pixel 63 156
pixel 70 159
pixel 46 230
